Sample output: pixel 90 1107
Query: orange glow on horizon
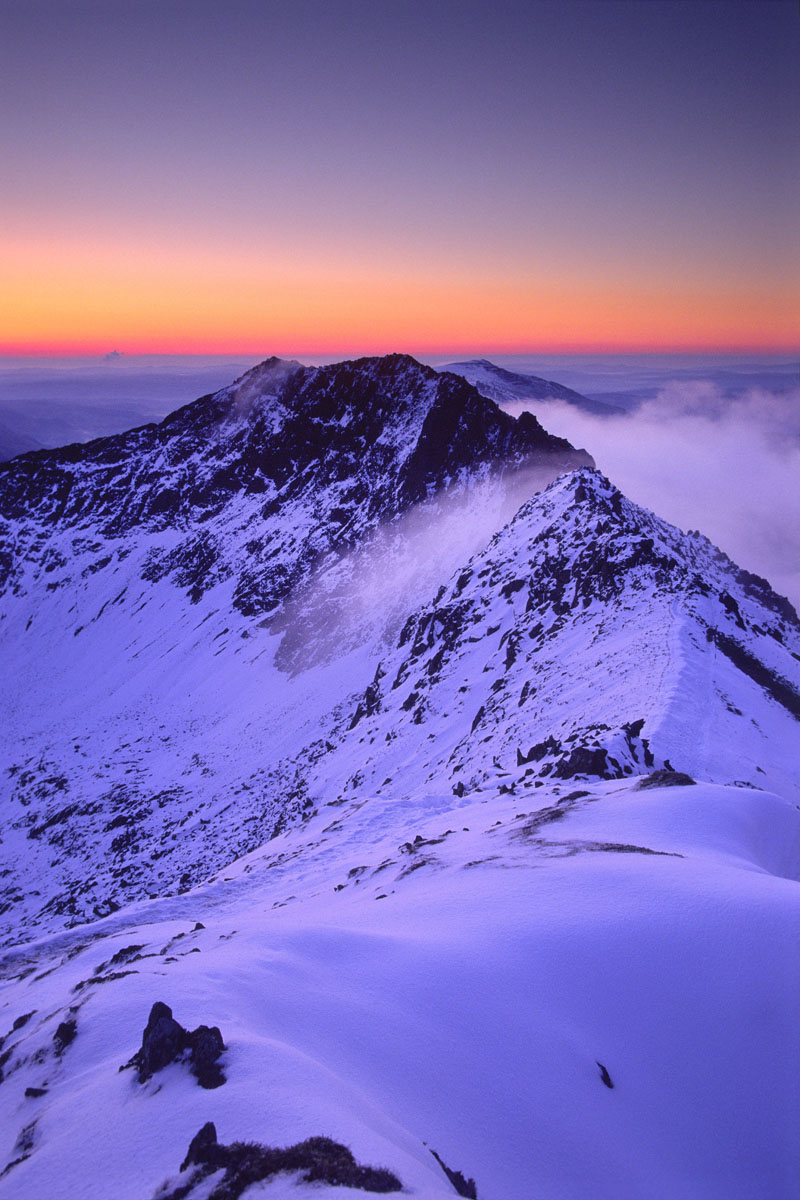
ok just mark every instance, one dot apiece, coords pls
pixel 86 299
pixel 314 349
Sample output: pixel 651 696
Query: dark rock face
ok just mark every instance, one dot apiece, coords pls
pixel 203 1147
pixel 205 1047
pixel 165 1041
pixel 463 427
pixel 780 689
pixel 320 1160
pixel 583 760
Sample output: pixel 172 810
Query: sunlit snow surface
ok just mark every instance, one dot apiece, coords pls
pixel 451 973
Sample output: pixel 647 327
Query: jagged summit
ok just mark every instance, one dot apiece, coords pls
pixel 329 452
pixel 267 378
pixel 392 423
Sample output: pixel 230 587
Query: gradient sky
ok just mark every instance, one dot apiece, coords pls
pixel 329 175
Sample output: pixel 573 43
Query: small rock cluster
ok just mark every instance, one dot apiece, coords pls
pixel 664 778
pixel 165 1041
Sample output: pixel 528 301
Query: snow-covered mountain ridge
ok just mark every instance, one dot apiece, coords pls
pixel 338 448
pixel 590 638
pixel 145 582
pixel 341 720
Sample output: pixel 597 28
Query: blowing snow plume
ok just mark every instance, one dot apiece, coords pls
pixel 728 467
pixel 366 594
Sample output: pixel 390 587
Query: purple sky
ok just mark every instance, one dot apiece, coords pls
pixel 586 171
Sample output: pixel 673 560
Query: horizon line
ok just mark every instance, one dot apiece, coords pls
pixel 114 353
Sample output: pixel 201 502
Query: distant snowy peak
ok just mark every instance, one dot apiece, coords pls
pixel 512 387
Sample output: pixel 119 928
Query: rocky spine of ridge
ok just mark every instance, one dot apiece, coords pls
pixel 589 639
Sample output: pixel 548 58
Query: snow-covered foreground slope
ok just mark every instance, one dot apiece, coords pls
pixel 446 974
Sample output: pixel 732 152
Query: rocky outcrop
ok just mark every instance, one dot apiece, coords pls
pixel 165 1041
pixel 316 1160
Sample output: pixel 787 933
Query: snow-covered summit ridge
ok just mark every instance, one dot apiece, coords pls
pixel 616 517
pixel 330 451
pixel 149 580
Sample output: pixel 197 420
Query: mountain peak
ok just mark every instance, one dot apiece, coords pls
pixel 272 369
pixel 508 387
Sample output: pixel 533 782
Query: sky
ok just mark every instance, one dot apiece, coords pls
pixel 327 176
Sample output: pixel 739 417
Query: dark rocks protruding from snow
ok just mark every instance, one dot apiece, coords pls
pixel 463 1186
pixel 584 760
pixel 165 1041
pixel 65 1035
pixel 206 1046
pixel 203 1146
pixel 604 1075
pixel 318 1158
pixel 665 778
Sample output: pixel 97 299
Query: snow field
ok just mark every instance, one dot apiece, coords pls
pixel 467 1009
